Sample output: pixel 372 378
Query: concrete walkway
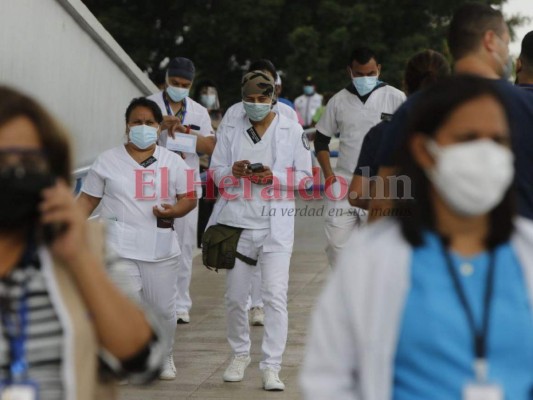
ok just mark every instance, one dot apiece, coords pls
pixel 201 351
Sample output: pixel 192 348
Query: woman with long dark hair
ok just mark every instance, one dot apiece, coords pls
pixel 435 303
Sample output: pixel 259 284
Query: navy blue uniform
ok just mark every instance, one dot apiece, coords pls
pixel 519 107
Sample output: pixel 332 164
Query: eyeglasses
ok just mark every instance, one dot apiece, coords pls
pixel 23 161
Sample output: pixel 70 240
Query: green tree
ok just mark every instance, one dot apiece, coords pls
pixel 301 37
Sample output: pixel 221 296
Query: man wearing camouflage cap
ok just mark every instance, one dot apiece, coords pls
pixel 250 164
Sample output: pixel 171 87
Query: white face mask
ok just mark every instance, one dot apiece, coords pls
pixel 471 177
pixel 208 100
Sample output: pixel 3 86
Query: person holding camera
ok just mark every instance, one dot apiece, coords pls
pixel 65 326
pixel 262 155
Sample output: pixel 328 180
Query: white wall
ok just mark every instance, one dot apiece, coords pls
pixel 57 52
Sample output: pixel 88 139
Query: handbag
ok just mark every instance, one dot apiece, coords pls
pixel 219 247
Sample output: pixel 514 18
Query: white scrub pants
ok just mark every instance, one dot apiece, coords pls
pixel 255 291
pixel 186 228
pixel 155 284
pixel 275 282
pixel 341 220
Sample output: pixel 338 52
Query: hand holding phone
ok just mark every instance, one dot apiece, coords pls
pixel 256 167
pixel 64 224
pixel 261 174
pixel 240 169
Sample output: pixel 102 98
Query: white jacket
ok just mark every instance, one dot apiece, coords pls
pixel 354 330
pixel 288 152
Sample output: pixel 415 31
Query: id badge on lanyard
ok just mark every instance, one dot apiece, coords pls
pixel 481 391
pixel 481 388
pixel 18 386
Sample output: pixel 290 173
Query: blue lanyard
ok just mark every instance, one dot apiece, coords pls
pixel 17 335
pixel 480 336
pixel 181 112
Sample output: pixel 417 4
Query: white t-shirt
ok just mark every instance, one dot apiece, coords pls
pixel 250 213
pixel 237 110
pixel 346 114
pixel 307 106
pixel 127 203
pixel 195 114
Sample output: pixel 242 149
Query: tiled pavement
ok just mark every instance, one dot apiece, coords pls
pixel 201 352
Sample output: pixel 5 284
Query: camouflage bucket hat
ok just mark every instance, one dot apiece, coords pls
pixel 257 82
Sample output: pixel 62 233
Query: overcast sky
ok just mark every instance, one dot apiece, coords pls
pixel 523 7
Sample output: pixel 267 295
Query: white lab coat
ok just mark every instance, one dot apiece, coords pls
pixel 307 106
pixel 354 330
pixel 288 152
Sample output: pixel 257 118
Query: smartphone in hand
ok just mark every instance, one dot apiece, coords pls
pixel 256 167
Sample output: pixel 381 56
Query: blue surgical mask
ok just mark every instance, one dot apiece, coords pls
pixel 143 136
pixel 256 111
pixel 365 84
pixel 177 94
pixel 309 90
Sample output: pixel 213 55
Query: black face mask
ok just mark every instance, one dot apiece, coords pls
pixel 20 195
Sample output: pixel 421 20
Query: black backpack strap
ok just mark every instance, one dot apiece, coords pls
pixel 245 259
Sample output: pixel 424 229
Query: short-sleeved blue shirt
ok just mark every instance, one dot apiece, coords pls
pixel 435 355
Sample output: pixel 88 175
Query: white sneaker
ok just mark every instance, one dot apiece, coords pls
pixel 257 316
pixel 235 370
pixel 168 372
pixel 183 318
pixel 271 380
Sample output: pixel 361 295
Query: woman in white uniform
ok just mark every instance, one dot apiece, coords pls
pixel 141 188
pixel 260 136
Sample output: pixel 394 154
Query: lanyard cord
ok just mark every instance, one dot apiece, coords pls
pixel 16 335
pixel 480 336
pixel 15 332
pixel 180 113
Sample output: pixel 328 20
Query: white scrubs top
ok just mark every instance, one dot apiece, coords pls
pixel 348 115
pixel 195 114
pixel 307 106
pixel 128 192
pixel 251 213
